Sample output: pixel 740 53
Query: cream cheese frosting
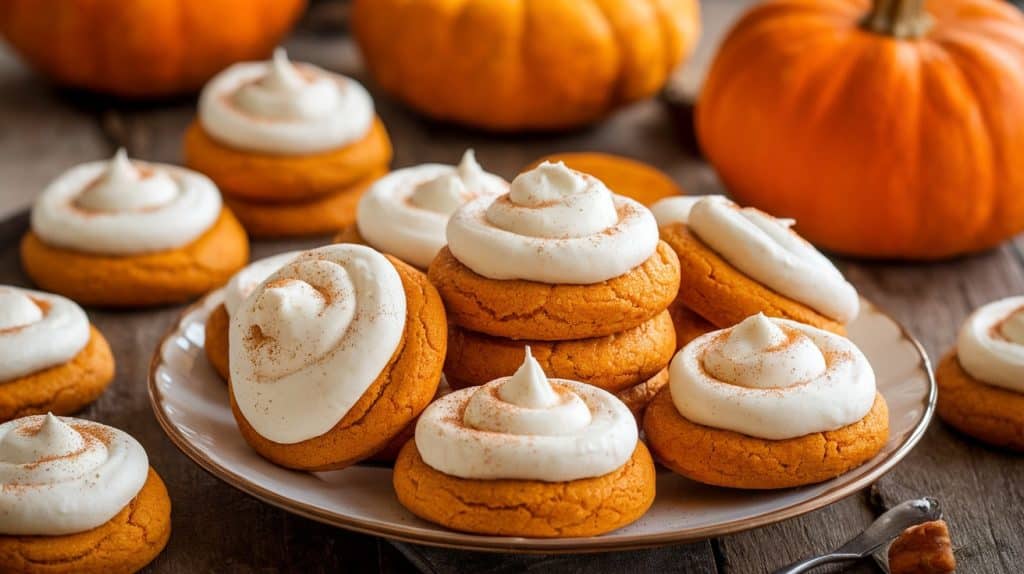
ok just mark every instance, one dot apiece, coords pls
pixel 311 338
pixel 555 225
pixel 245 281
pixel 405 212
pixel 677 209
pixel 766 249
pixel 124 207
pixel 527 427
pixel 38 331
pixel 63 475
pixel 990 346
pixel 279 107
pixel 773 379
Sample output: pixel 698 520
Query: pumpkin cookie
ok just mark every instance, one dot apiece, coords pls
pixel 405 213
pixel 613 362
pixel 480 464
pixel 215 342
pixel 51 358
pixel 108 513
pixel 688 324
pixel 292 146
pixel 736 262
pixel 130 234
pixel 981 382
pixel 769 403
pixel 320 380
pixel 520 309
pixel 639 396
pixel 622 175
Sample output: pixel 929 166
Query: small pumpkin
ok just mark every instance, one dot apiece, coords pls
pixel 514 65
pixel 143 49
pixel 893 129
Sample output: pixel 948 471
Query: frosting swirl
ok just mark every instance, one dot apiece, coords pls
pixel 38 331
pixel 283 108
pixel 773 379
pixel 64 475
pixel 677 209
pixel 527 427
pixel 405 212
pixel 312 337
pixel 766 249
pixel 121 207
pixel 245 281
pixel 990 346
pixel 555 225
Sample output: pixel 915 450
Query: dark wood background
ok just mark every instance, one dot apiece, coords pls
pixel 217 529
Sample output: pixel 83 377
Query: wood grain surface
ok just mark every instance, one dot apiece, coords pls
pixel 217 529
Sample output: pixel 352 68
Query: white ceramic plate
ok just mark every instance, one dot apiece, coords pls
pixel 191 404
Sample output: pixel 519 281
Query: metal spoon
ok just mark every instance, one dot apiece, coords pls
pixel 887 527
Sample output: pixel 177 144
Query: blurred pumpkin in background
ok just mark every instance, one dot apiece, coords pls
pixel 143 48
pixel 517 65
pixel 893 129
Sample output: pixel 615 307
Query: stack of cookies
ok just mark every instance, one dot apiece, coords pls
pixel 562 264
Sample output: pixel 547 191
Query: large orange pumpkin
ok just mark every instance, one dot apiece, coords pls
pixel 143 48
pixel 887 130
pixel 514 65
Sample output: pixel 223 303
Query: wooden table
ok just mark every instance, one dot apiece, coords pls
pixel 43 132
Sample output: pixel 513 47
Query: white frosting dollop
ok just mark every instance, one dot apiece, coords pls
pixel 312 337
pixel 38 331
pixel 773 379
pixel 990 346
pixel 677 209
pixel 245 281
pixel 527 427
pixel 123 207
pixel 279 107
pixel 405 212
pixel 766 249
pixel 555 225
pixel 63 475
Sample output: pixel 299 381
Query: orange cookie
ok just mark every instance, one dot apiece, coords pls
pixel 622 175
pixel 723 295
pixel 639 396
pixel 726 458
pixel 64 389
pixel 397 396
pixel 215 343
pixel 688 324
pixel 613 362
pixel 320 215
pixel 520 309
pixel 531 508
pixel 125 544
pixel 159 278
pixel 988 413
pixel 257 177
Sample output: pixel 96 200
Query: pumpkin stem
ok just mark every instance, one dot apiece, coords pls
pixel 902 19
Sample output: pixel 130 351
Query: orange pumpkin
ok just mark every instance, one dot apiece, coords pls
pixel 887 130
pixel 143 48
pixel 513 65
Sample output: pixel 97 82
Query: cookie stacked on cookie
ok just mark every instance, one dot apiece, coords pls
pixel 738 261
pixel 566 266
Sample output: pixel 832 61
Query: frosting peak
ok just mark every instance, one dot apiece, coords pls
pixel 283 108
pixel 1012 328
pixel 405 212
pixel 123 187
pixel 527 427
pixel 17 309
pixel 555 225
pixel 245 281
pixel 772 379
pixel 62 475
pixel 529 386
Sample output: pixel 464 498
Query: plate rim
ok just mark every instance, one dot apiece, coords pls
pixel 497 544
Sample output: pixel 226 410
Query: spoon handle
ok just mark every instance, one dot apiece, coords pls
pixel 814 562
